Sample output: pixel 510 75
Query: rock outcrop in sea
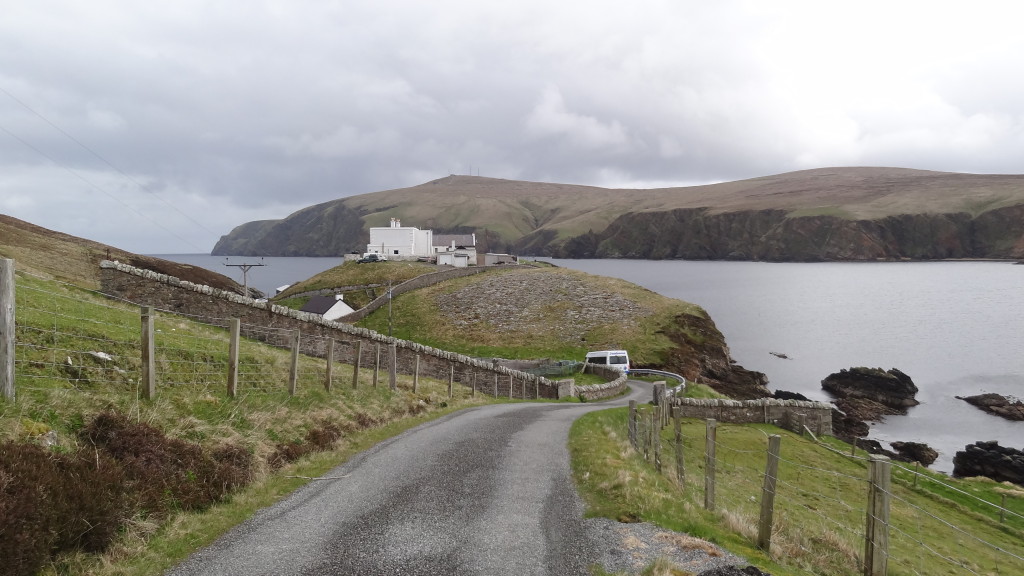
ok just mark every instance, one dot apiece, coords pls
pixel 989 459
pixel 997 404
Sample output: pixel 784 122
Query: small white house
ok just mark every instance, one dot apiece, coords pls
pixel 399 242
pixel 330 307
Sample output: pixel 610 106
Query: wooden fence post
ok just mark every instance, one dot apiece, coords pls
pixel 656 419
pixel 876 533
pixel 416 376
pixel 631 427
pixel 293 373
pixel 473 381
pixel 329 377
pixel 7 289
pixel 495 384
pixel 376 364
pixel 393 366
pixel 235 326
pixel 451 380
pixel 678 429
pixel 355 364
pixel 511 382
pixel 148 383
pixel 709 464
pixel 771 472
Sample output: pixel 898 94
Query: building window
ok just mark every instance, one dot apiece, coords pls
pixel 396 251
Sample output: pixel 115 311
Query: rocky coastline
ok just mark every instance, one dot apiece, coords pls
pixel 998 405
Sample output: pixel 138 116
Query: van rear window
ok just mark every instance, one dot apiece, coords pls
pixel 597 360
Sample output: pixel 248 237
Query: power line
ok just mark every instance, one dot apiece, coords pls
pixel 95 154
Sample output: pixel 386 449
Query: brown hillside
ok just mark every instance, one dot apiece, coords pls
pixel 538 218
pixel 75 260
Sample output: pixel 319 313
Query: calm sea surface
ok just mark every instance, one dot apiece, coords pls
pixel 956 328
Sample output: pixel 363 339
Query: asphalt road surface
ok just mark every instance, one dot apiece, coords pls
pixel 486 490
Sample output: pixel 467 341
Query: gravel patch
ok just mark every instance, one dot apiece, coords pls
pixel 562 303
pixel 630 548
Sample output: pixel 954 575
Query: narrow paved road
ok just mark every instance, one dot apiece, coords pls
pixel 487 490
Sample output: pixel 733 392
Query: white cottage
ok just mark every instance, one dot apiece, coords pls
pixel 399 242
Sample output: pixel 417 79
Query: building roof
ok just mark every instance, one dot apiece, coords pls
pixel 461 240
pixel 319 304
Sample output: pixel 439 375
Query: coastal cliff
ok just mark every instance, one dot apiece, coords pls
pixel 774 235
pixel 855 213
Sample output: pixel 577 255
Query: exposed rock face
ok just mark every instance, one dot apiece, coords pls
pixel 991 460
pixel 890 389
pixel 997 404
pixel 701 355
pixel 776 235
pixel 916 452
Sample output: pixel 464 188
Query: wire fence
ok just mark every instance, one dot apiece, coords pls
pixel 827 511
pixel 70 338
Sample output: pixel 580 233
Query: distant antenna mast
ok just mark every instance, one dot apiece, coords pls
pixel 245 266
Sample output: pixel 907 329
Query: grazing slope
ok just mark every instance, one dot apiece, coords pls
pixel 828 213
pixel 75 260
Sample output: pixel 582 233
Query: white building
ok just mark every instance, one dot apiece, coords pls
pixel 399 242
pixel 330 307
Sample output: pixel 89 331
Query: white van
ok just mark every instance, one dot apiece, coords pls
pixel 614 358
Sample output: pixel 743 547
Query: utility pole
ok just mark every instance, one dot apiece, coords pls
pixel 245 273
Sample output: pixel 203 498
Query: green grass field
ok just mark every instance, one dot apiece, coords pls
pixel 938 525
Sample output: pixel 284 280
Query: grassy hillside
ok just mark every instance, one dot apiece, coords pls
pixel 938 525
pixel 76 260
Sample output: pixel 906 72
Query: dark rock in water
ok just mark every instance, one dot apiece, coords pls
pixel 890 388
pixel 734 571
pixel 916 452
pixel 786 395
pixel 991 460
pixel 997 404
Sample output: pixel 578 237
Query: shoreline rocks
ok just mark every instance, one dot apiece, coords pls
pixel 989 459
pixel 998 405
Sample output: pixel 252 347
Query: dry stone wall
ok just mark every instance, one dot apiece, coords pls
pixel 792 415
pixel 214 306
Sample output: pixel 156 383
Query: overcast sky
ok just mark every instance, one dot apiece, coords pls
pixel 159 126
